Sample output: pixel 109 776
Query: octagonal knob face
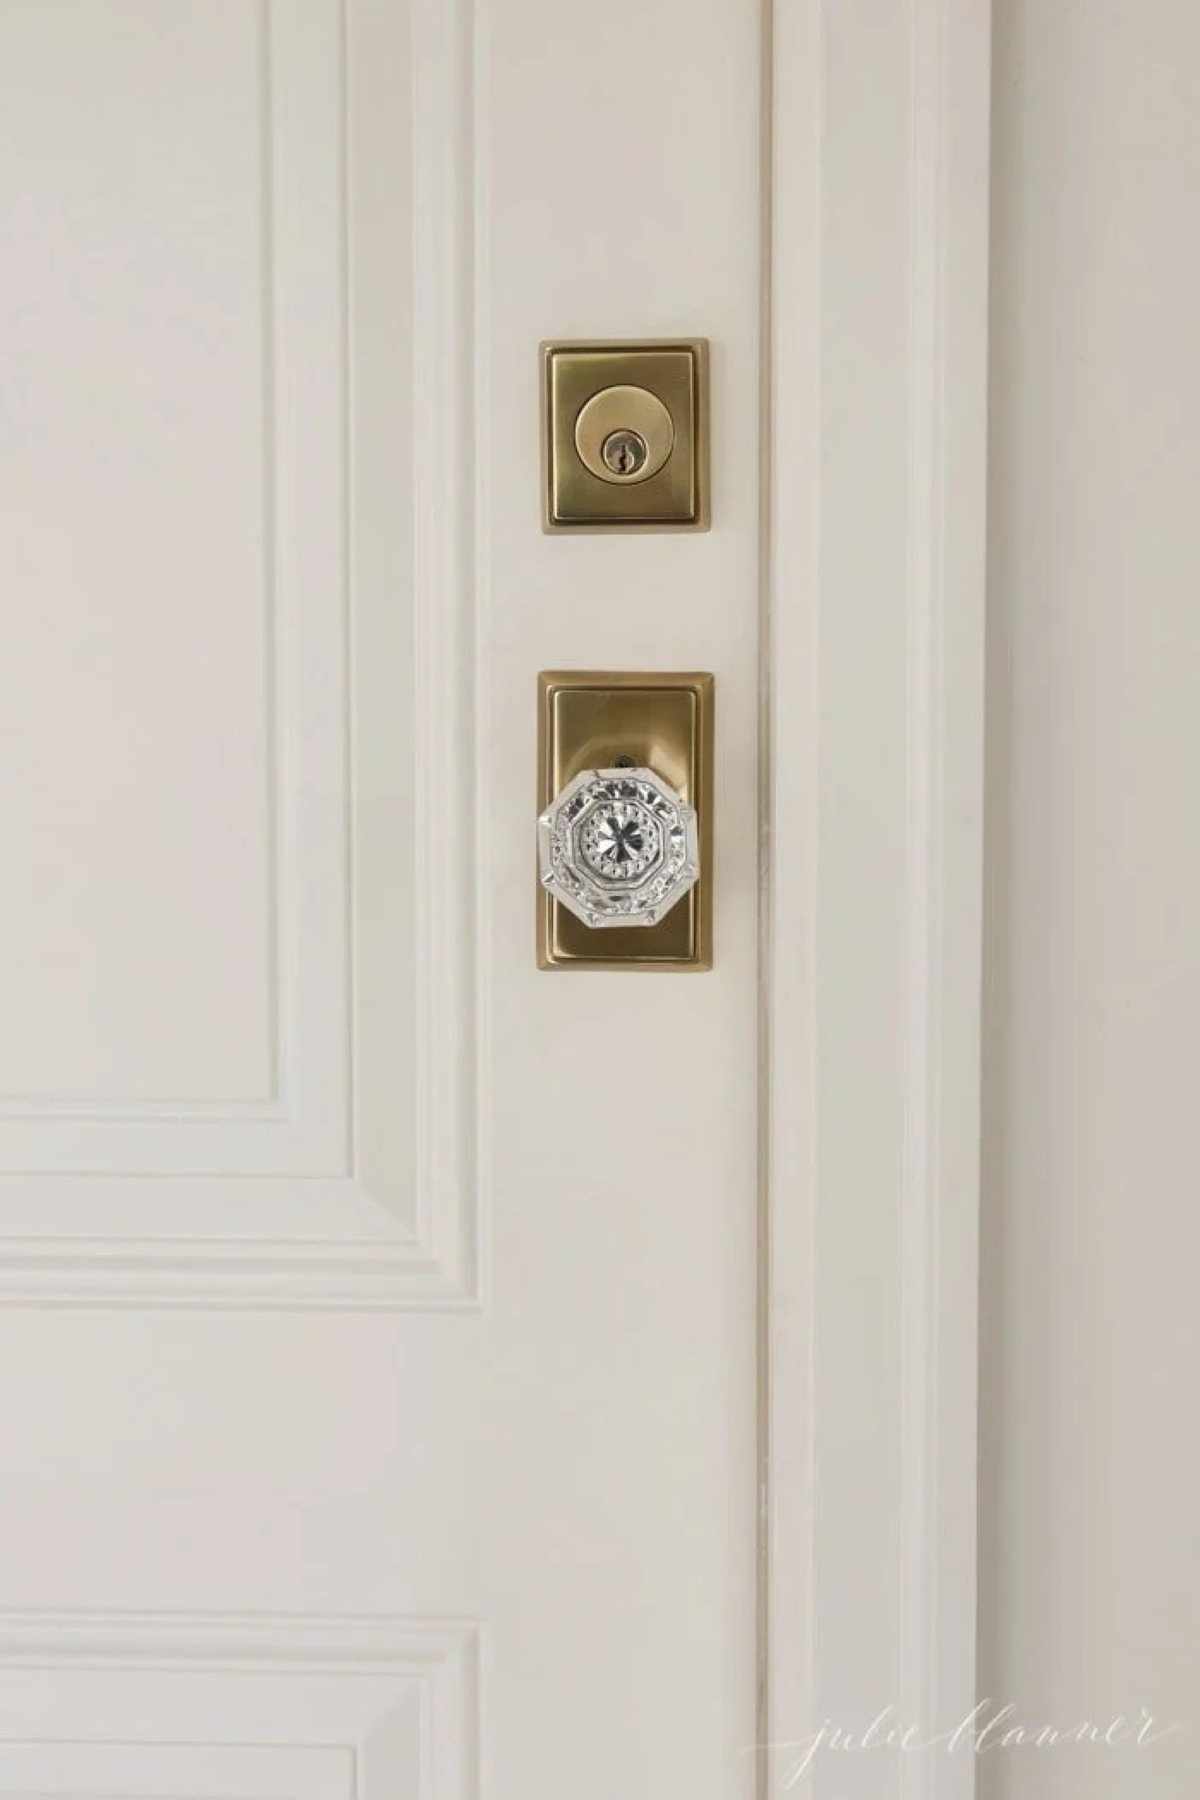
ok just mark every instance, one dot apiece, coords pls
pixel 618 847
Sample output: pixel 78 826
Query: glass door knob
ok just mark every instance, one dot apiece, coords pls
pixel 618 847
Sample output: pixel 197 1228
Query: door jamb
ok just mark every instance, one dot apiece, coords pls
pixel 877 168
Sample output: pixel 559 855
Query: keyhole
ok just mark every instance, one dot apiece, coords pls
pixel 624 452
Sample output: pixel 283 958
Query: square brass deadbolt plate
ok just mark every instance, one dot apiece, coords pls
pixel 625 436
pixel 587 720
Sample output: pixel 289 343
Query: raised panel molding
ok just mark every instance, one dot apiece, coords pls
pixel 255 1707
pixel 356 1185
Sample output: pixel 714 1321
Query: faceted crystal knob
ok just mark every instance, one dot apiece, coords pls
pixel 619 847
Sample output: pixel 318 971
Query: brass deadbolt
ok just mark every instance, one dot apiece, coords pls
pixel 625 435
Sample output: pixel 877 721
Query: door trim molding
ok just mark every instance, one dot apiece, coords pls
pixel 395 1699
pixel 873 632
pixel 313 1200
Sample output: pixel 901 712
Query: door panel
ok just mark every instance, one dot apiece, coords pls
pixel 379 1363
pixel 301 729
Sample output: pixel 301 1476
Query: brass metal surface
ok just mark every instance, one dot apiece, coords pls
pixel 624 408
pixel 658 390
pixel 591 720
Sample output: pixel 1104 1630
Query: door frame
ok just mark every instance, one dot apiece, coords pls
pixel 877 156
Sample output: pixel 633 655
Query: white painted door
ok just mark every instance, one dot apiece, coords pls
pixel 378 1358
pixel 422 1376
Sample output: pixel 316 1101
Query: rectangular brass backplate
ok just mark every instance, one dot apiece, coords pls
pixel 590 720
pixel 625 436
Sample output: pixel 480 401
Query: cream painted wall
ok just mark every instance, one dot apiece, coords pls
pixel 1090 1543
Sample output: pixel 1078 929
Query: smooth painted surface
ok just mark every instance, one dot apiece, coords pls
pixel 1091 1478
pixel 137 563
pixel 878 431
pixel 380 1309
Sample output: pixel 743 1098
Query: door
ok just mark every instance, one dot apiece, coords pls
pixel 424 1372
pixel 379 1349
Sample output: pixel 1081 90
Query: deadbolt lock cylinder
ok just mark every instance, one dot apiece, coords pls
pixel 624 434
